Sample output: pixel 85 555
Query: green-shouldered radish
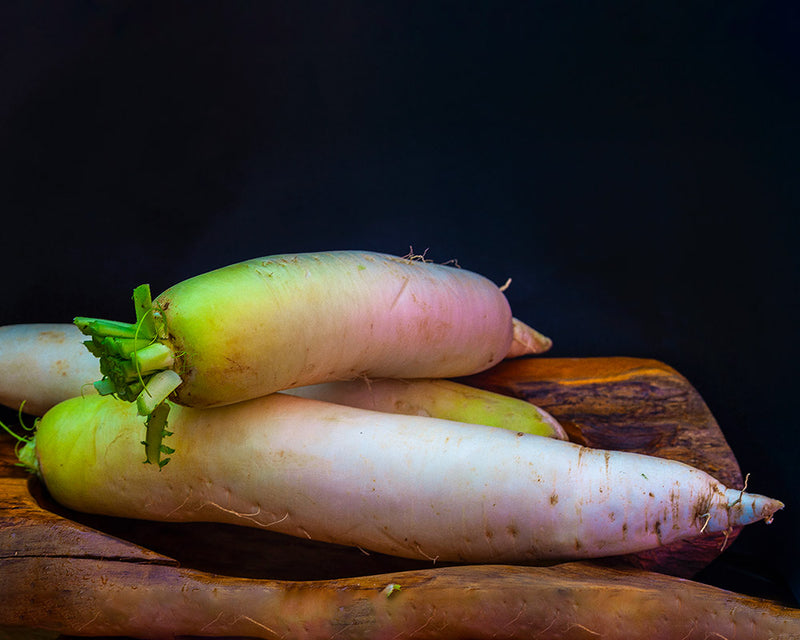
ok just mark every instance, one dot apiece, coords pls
pixel 410 486
pixel 437 398
pixel 274 323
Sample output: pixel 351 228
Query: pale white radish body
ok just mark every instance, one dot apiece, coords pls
pixel 42 365
pixel 409 486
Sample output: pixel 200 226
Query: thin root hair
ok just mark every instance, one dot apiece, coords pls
pixel 21 440
pixel 416 257
pixel 724 544
pixel 707 516
pixel 21 418
pixel 741 493
pixel 421 552
pixel 249 516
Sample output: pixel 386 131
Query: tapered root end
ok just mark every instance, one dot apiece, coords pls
pixel 555 425
pixel 527 341
pixel 746 508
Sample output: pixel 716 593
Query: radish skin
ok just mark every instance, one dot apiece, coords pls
pixel 438 399
pixel 526 340
pixel 408 486
pixel 44 364
pixel 274 323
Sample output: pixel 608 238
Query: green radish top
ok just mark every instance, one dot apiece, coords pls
pixel 131 356
pixel 136 367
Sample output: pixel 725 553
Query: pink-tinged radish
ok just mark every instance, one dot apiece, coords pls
pixel 410 486
pixel 274 323
pixel 436 398
pixel 44 364
pixel 279 322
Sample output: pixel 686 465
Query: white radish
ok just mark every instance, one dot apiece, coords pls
pixel 438 399
pixel 44 364
pixel 285 321
pixel 409 486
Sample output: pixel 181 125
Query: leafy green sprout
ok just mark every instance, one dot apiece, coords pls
pixel 136 367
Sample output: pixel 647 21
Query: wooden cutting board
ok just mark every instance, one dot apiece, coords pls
pixel 626 404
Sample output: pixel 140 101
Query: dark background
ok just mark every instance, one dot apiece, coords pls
pixel 632 166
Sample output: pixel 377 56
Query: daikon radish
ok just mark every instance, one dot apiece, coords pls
pixel 410 486
pixel 279 322
pixel 44 364
pixel 438 399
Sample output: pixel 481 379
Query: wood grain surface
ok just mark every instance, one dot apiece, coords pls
pixel 616 403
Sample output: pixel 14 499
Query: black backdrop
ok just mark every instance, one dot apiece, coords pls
pixel 632 166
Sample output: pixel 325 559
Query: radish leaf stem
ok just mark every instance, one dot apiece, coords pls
pixel 156 432
pixel 136 366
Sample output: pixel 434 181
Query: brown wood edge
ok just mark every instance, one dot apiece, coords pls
pixel 28 530
pixel 122 598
